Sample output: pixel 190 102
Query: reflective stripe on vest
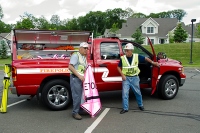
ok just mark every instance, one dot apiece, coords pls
pixel 130 70
pixel 82 63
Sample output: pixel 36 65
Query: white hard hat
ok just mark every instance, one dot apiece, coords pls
pixel 129 46
pixel 84 44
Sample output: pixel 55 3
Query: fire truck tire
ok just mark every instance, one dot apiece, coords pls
pixel 168 87
pixel 56 94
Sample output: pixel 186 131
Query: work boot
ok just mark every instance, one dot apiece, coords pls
pixel 141 108
pixel 123 111
pixel 77 116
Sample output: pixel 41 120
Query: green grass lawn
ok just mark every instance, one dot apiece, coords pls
pixel 181 52
pixel 3 62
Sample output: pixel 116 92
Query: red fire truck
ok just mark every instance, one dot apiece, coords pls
pixel 40 61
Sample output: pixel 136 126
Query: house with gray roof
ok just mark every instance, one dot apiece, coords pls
pixel 189 30
pixel 6 37
pixel 157 29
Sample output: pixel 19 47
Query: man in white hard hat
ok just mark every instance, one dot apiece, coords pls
pixel 77 66
pixel 128 68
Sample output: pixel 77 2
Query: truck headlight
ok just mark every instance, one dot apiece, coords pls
pixel 181 70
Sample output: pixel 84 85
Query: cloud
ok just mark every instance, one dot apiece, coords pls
pixel 7 4
pixel 80 14
pixel 6 16
pixel 37 2
pixel 63 14
pixel 68 8
pixel 34 2
pixel 180 4
pixel 90 2
pixel 61 2
pixel 151 6
pixel 14 21
pixel 103 5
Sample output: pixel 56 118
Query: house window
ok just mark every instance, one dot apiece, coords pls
pixel 150 30
pixel 152 41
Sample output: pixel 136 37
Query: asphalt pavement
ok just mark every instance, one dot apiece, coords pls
pixel 179 115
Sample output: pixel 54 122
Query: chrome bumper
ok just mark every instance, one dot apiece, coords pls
pixel 182 81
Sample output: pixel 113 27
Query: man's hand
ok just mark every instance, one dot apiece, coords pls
pixel 123 77
pixel 81 78
pixel 155 64
pixel 152 62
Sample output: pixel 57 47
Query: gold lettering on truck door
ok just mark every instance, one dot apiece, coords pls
pixel 54 70
pixel 42 70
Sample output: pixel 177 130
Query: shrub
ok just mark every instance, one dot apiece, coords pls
pixel 3 50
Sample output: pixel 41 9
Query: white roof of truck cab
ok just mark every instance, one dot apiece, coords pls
pixel 51 36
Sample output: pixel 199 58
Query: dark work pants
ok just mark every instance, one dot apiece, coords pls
pixel 76 88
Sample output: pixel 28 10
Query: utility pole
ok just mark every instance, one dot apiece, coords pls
pixel 193 20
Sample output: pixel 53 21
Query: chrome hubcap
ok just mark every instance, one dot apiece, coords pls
pixel 170 87
pixel 58 95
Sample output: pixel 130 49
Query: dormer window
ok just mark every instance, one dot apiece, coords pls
pixel 150 29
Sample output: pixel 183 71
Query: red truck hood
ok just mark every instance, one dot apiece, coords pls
pixel 163 61
pixel 169 61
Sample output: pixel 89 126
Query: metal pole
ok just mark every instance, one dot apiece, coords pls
pixel 191 45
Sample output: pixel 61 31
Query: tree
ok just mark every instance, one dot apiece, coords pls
pixel 114 28
pixel 55 21
pixel 3 50
pixel 138 36
pixel 5 28
pixel 26 23
pixel 1 12
pixel 116 15
pixel 129 12
pixel 180 35
pixel 42 23
pixel 93 21
pixel 153 15
pixel 63 24
pixel 164 15
pixel 138 15
pixel 198 31
pixel 179 14
pixel 171 37
pixel 72 24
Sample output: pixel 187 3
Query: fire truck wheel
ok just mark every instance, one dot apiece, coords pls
pixel 168 87
pixel 56 94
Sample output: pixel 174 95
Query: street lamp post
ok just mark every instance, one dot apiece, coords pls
pixel 193 20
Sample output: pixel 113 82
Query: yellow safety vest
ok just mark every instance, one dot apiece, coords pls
pixel 82 63
pixel 130 70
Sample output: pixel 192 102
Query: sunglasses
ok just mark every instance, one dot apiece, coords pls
pixel 85 48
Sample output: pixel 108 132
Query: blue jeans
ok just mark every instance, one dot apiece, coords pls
pixel 133 83
pixel 76 87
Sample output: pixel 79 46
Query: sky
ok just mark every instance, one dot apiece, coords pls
pixel 67 9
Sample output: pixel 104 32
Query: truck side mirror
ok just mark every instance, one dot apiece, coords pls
pixel 162 55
